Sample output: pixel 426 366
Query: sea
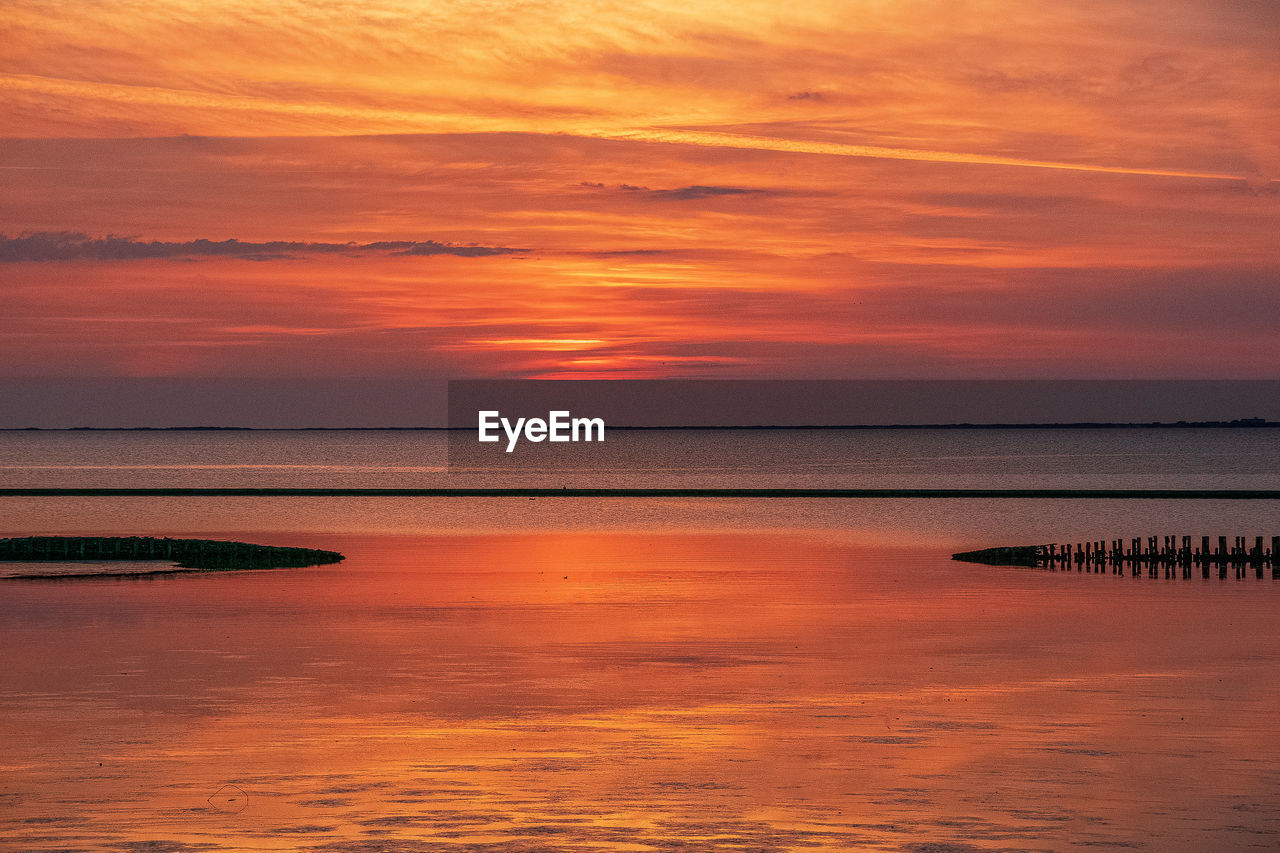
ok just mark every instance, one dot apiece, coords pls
pixel 640 673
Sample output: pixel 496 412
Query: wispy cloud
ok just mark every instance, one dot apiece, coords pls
pixel 1171 88
pixel 72 246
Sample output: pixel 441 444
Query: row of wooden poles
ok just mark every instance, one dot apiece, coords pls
pixel 193 552
pixel 1168 554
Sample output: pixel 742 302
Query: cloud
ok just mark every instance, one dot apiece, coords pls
pixel 431 247
pixel 696 192
pixel 70 245
pixel 689 193
pixel 631 253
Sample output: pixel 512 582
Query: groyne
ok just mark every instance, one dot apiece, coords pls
pixel 1167 555
pixel 192 554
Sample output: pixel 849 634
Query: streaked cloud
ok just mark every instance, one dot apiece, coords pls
pixel 67 246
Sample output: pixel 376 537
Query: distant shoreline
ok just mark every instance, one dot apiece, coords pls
pixel 1241 423
pixel 579 492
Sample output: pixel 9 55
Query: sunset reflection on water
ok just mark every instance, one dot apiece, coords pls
pixel 633 690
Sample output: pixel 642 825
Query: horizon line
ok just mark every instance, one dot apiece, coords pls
pixel 580 492
pixel 1236 423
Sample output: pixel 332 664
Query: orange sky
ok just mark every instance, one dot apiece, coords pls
pixel 852 189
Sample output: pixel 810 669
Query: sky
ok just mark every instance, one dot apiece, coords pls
pixel 931 189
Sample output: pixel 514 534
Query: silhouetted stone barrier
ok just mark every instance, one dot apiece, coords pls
pixel 1172 556
pixel 1014 555
pixel 190 554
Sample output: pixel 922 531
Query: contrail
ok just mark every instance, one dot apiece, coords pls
pixel 769 143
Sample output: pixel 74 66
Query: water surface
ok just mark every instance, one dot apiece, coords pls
pixel 637 674
pixel 1138 458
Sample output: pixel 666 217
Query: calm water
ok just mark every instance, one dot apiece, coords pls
pixel 647 675
pixel 1119 458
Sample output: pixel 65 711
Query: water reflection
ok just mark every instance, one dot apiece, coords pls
pixel 639 690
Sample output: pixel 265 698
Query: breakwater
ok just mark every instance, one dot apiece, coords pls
pixel 192 554
pixel 1167 555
